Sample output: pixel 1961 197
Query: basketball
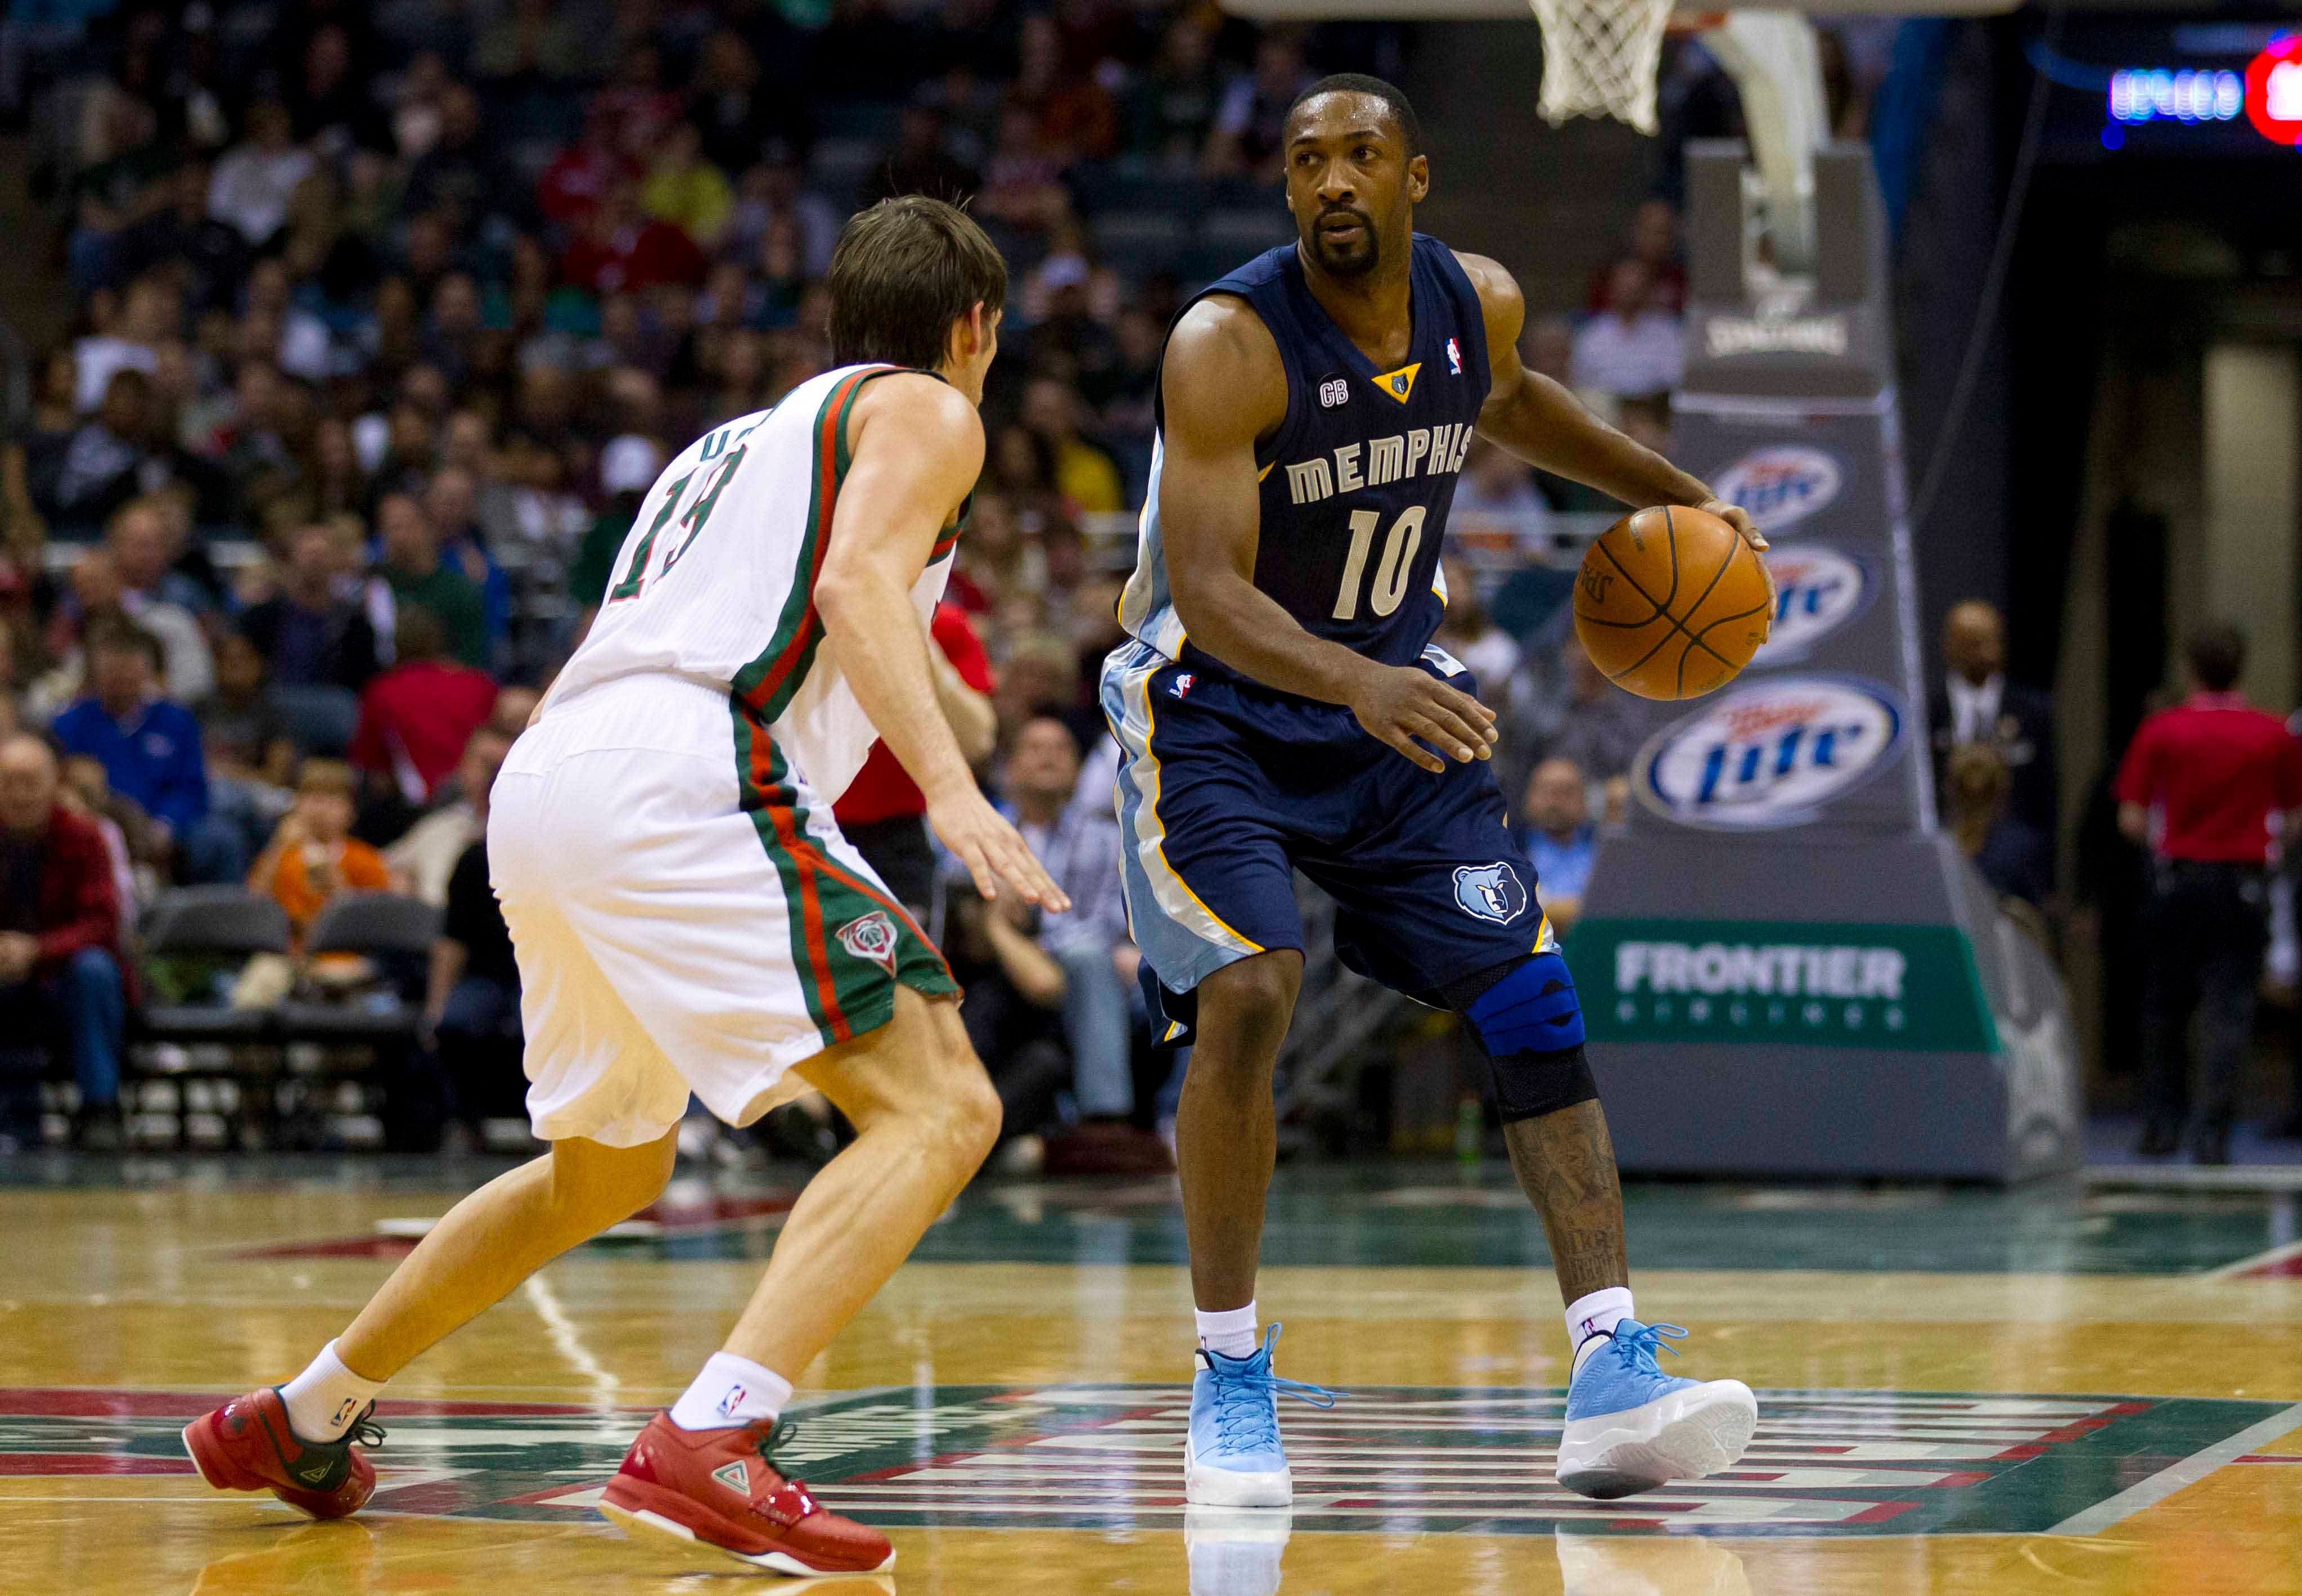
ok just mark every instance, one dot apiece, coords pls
pixel 1671 602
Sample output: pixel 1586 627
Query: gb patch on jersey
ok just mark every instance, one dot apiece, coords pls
pixel 1334 391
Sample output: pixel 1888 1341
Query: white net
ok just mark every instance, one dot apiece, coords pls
pixel 1600 58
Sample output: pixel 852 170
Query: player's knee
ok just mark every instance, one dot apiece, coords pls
pixel 1243 1012
pixel 601 1186
pixel 1528 1021
pixel 959 1104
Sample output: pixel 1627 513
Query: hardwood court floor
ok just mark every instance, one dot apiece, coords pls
pixel 1961 1392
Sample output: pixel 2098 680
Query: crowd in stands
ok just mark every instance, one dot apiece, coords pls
pixel 384 317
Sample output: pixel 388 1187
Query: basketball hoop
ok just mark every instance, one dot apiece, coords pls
pixel 1600 58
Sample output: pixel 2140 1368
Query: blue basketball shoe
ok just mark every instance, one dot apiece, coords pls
pixel 1630 1427
pixel 1232 1456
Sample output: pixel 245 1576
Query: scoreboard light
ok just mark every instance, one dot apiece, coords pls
pixel 2273 90
pixel 2154 94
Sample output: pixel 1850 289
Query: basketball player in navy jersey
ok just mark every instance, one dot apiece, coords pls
pixel 1281 707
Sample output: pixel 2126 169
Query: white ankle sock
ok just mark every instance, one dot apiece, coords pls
pixel 1588 1317
pixel 731 1391
pixel 324 1399
pixel 1230 1332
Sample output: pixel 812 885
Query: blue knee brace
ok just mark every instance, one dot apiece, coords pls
pixel 1530 1025
pixel 1533 1009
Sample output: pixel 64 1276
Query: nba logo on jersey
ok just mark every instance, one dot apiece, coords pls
pixel 872 937
pixel 1335 392
pixel 1453 358
pixel 1490 891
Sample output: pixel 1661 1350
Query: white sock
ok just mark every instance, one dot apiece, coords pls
pixel 1230 1332
pixel 1597 1314
pixel 324 1399
pixel 731 1391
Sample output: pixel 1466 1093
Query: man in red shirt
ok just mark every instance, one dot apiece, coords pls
pixel 2209 786
pixel 416 718
pixel 621 249
pixel 882 812
pixel 59 938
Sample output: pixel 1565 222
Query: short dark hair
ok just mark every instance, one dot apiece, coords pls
pixel 901 273
pixel 2217 656
pixel 1394 100
pixel 416 635
pixel 121 635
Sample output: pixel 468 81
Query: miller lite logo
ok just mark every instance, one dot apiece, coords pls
pixel 1334 391
pixel 871 938
pixel 1780 486
pixel 1770 754
pixel 1817 591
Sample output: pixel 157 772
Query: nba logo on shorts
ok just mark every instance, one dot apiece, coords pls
pixel 872 937
pixel 1490 891
pixel 1180 687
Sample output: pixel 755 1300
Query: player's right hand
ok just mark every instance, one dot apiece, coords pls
pixel 1398 703
pixel 993 851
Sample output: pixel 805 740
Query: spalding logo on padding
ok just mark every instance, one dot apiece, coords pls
pixel 1781 485
pixel 1770 754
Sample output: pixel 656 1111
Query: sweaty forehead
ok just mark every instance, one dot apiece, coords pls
pixel 1341 113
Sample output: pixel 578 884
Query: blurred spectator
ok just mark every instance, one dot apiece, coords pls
pixel 1654 241
pixel 452 502
pixel 128 339
pixel 313 637
pixel 1172 110
pixel 1084 475
pixel 143 543
pixel 149 747
pixel 313 855
pixel 1631 348
pixel 920 162
pixel 60 922
pixel 426 856
pixel 1496 493
pixel 2209 786
pixel 771 192
pixel 415 573
pixel 1081 850
pixel 99 469
pixel 685 190
pixel 1561 842
pixel 257 177
pixel 1469 633
pixel 249 744
pixel 1592 722
pixel 471 994
pixel 1250 123
pixel 415 718
pixel 619 249
pixel 531 40
pixel 882 812
pixel 2014 858
pixel 1978 704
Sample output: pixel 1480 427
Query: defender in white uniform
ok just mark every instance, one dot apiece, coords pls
pixel 687 917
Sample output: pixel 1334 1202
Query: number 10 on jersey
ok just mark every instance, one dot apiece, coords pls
pixel 1391 573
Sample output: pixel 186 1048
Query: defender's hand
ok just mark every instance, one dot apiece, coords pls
pixel 992 850
pixel 1398 703
pixel 1739 519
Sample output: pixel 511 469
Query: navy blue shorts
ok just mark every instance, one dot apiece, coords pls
pixel 1226 789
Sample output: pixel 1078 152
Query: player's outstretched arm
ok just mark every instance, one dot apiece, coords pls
pixel 1545 425
pixel 915 447
pixel 1223 387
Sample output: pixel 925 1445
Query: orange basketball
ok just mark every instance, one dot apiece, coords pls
pixel 1671 603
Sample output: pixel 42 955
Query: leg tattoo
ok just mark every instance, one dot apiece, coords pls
pixel 1566 1164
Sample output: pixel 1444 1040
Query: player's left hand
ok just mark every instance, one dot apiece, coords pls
pixel 1739 519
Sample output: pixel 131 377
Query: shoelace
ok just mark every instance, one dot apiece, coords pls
pixel 1245 1418
pixel 782 1432
pixel 1637 1348
pixel 365 1430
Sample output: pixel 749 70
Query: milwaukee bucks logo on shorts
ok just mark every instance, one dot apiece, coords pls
pixel 872 937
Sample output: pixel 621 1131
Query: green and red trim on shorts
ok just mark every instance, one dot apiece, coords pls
pixel 848 993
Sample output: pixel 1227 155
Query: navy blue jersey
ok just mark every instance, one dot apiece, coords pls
pixel 1356 480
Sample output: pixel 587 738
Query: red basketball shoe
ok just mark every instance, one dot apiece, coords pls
pixel 721 1489
pixel 247 1445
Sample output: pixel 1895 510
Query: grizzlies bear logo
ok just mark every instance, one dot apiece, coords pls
pixel 1491 892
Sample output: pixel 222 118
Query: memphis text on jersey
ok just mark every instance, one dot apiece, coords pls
pixel 1422 452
